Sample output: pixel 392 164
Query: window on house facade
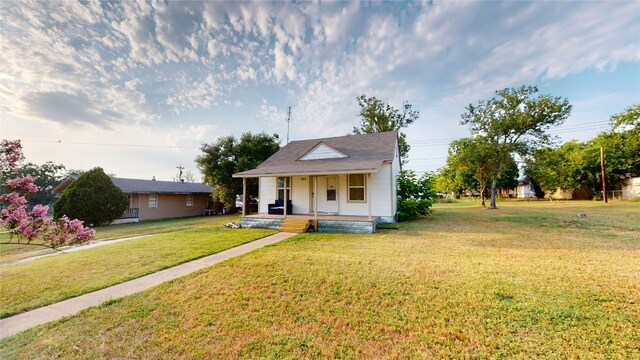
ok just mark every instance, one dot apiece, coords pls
pixel 356 187
pixel 281 188
pixel 189 199
pixel 153 201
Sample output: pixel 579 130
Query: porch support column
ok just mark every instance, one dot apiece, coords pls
pixel 286 198
pixel 315 198
pixel 369 194
pixel 244 196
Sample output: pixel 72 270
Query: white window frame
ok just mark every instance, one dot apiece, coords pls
pixel 189 200
pixel 286 186
pixel 363 187
pixel 155 201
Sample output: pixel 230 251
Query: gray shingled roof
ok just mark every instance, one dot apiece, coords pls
pixel 365 153
pixel 155 186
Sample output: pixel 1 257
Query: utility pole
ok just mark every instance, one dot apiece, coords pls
pixel 288 122
pixel 604 182
pixel 180 176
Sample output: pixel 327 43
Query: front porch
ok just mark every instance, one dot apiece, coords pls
pixel 130 215
pixel 322 223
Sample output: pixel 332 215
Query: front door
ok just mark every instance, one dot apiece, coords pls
pixel 328 194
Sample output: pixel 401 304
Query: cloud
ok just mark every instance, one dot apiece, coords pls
pixel 156 62
pixel 191 96
pixel 62 107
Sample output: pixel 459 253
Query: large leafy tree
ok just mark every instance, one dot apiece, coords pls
pixel 46 176
pixel 576 165
pixel 229 155
pixel 471 162
pixel 473 156
pixel 449 180
pixel 378 116
pixel 515 121
pixel 92 198
pixel 558 168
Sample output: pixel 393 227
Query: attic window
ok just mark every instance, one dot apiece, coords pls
pixel 322 151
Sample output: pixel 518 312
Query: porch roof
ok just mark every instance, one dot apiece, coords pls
pixel 363 154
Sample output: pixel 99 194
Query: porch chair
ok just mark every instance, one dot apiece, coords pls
pixel 278 207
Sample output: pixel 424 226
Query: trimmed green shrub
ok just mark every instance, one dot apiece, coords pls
pixel 415 195
pixel 92 198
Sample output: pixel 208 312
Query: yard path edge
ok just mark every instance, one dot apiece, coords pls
pixel 17 323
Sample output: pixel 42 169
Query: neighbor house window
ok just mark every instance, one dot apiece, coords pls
pixel 356 187
pixel 153 201
pixel 190 200
pixel 281 188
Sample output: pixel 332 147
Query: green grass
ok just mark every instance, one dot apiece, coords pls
pixel 530 280
pixel 14 251
pixel 49 280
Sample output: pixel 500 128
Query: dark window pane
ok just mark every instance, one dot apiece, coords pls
pixel 331 195
pixel 356 194
pixel 356 180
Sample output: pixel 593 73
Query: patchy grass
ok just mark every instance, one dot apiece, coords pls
pixel 464 283
pixel 49 280
pixel 14 251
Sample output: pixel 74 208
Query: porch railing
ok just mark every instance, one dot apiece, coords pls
pixel 130 213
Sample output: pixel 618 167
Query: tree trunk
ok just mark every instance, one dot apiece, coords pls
pixel 494 192
pixel 482 190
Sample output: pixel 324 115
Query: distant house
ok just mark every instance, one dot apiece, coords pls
pixel 525 191
pixel 631 190
pixel 152 200
pixel 345 183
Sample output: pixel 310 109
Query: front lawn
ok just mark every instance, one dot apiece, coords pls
pixel 48 280
pixel 530 280
pixel 13 252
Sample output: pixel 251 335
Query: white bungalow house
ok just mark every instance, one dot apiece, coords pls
pixel 345 183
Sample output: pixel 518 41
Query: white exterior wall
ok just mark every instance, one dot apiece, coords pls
pixel 632 189
pixel 395 171
pixel 267 193
pixel 379 184
pixel 525 192
pixel 300 194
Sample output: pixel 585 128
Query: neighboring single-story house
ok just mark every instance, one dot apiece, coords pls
pixel 346 183
pixel 152 199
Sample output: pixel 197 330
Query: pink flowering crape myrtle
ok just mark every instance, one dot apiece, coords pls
pixel 26 226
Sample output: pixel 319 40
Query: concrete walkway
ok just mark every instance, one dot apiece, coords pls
pixel 13 325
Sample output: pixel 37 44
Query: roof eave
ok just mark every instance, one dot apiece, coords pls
pixel 309 173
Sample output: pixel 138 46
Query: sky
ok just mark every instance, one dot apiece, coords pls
pixel 137 87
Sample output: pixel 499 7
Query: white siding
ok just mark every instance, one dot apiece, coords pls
pixel 300 194
pixel 395 171
pixel 379 186
pixel 525 191
pixel 631 189
pixel 267 193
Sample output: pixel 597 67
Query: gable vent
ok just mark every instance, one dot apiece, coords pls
pixel 322 151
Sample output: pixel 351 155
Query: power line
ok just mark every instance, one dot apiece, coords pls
pixel 109 144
